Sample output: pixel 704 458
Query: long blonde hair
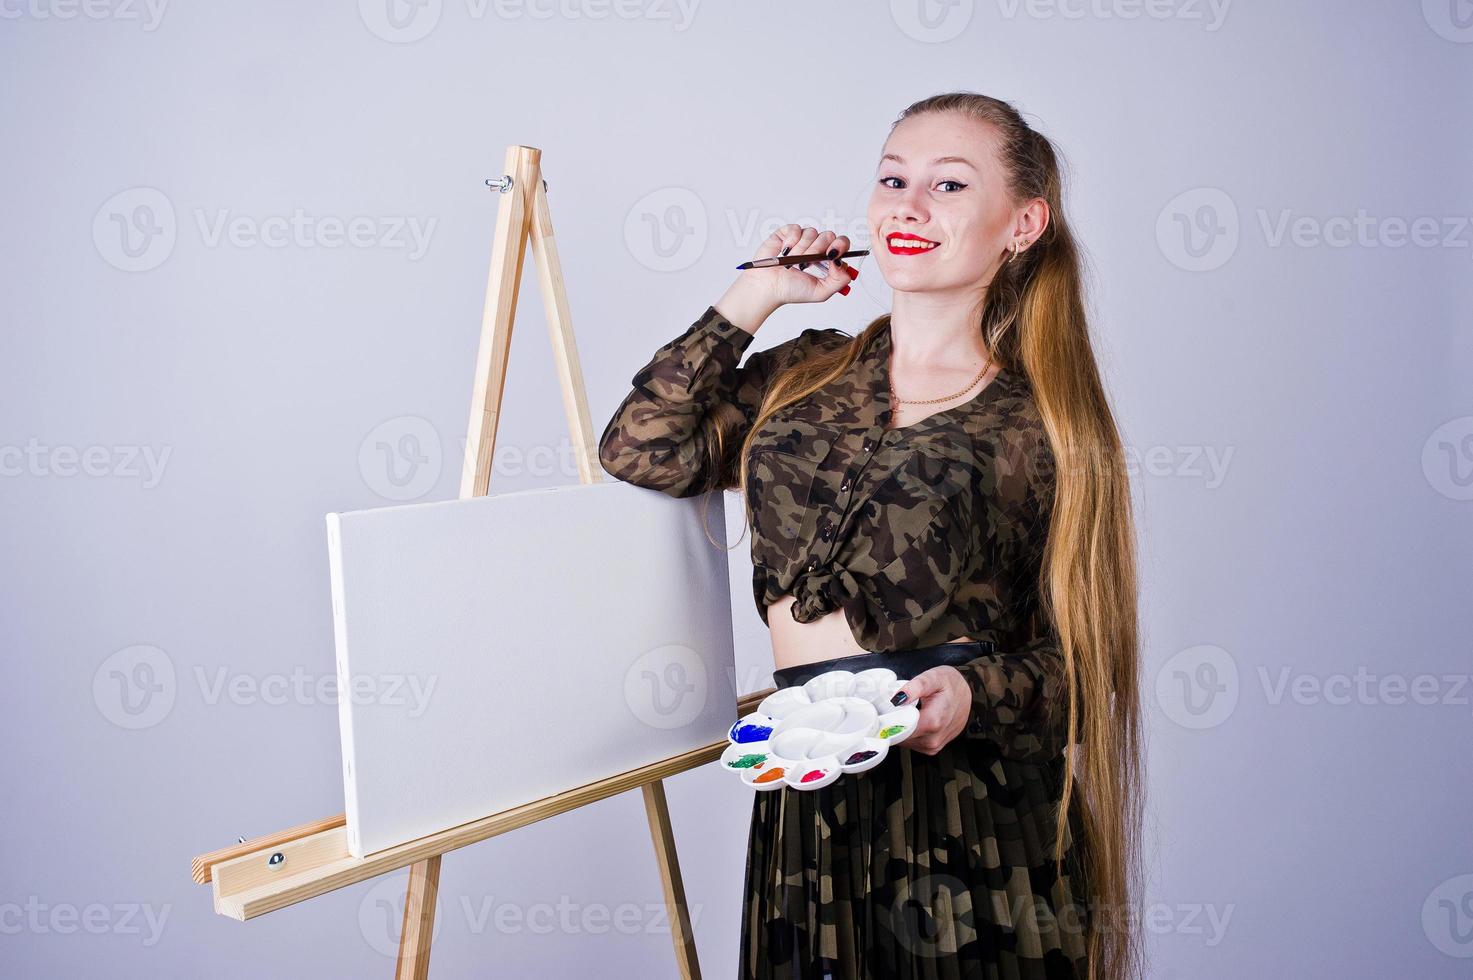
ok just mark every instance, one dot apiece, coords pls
pixel 1034 320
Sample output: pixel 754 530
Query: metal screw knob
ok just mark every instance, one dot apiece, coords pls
pixel 505 181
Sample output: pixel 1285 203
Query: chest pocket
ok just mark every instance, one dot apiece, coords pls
pixel 921 516
pixel 784 466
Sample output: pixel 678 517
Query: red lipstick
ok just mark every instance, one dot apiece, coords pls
pixel 894 240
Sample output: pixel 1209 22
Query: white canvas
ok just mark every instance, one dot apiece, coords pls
pixel 497 650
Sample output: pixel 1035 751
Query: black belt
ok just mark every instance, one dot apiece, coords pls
pixel 905 663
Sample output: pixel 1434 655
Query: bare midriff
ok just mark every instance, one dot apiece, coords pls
pixel 829 636
pixel 826 638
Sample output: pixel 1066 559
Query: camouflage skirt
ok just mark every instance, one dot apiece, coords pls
pixel 922 868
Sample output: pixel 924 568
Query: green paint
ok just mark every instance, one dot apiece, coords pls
pixel 747 761
pixel 892 730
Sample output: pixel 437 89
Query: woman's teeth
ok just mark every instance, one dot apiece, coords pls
pixel 918 246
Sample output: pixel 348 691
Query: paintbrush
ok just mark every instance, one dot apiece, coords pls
pixel 796 259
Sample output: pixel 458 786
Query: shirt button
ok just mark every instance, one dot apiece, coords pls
pixel 825 528
pixel 869 445
pixel 844 485
pixel 813 563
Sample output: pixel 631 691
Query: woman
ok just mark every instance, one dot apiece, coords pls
pixel 909 509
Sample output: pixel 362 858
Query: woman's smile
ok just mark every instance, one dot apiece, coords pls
pixel 904 243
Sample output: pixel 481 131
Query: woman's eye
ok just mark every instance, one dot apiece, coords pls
pixel 959 184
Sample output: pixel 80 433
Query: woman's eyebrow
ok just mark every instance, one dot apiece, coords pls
pixel 949 159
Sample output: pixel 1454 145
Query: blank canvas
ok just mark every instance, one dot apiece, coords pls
pixel 496 650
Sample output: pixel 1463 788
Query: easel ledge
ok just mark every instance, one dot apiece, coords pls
pixel 315 855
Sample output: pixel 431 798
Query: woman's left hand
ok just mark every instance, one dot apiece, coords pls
pixel 945 700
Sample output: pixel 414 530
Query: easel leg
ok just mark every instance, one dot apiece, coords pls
pixel 419 920
pixel 680 929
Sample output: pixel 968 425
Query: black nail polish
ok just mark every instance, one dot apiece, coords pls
pixel 802 266
pixel 786 250
pixel 899 697
pixel 832 253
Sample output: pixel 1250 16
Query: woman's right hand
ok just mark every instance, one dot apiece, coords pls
pixel 784 284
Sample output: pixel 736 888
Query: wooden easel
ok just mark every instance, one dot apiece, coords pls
pixel 258 876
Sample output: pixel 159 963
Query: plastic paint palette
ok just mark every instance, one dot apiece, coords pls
pixel 808 736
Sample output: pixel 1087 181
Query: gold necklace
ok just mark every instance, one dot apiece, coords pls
pixel 895 399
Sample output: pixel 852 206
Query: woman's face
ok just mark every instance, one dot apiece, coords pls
pixel 939 180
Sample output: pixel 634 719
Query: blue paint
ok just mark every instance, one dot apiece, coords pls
pixel 750 732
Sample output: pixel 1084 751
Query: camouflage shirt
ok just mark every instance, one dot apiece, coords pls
pixel 919 534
